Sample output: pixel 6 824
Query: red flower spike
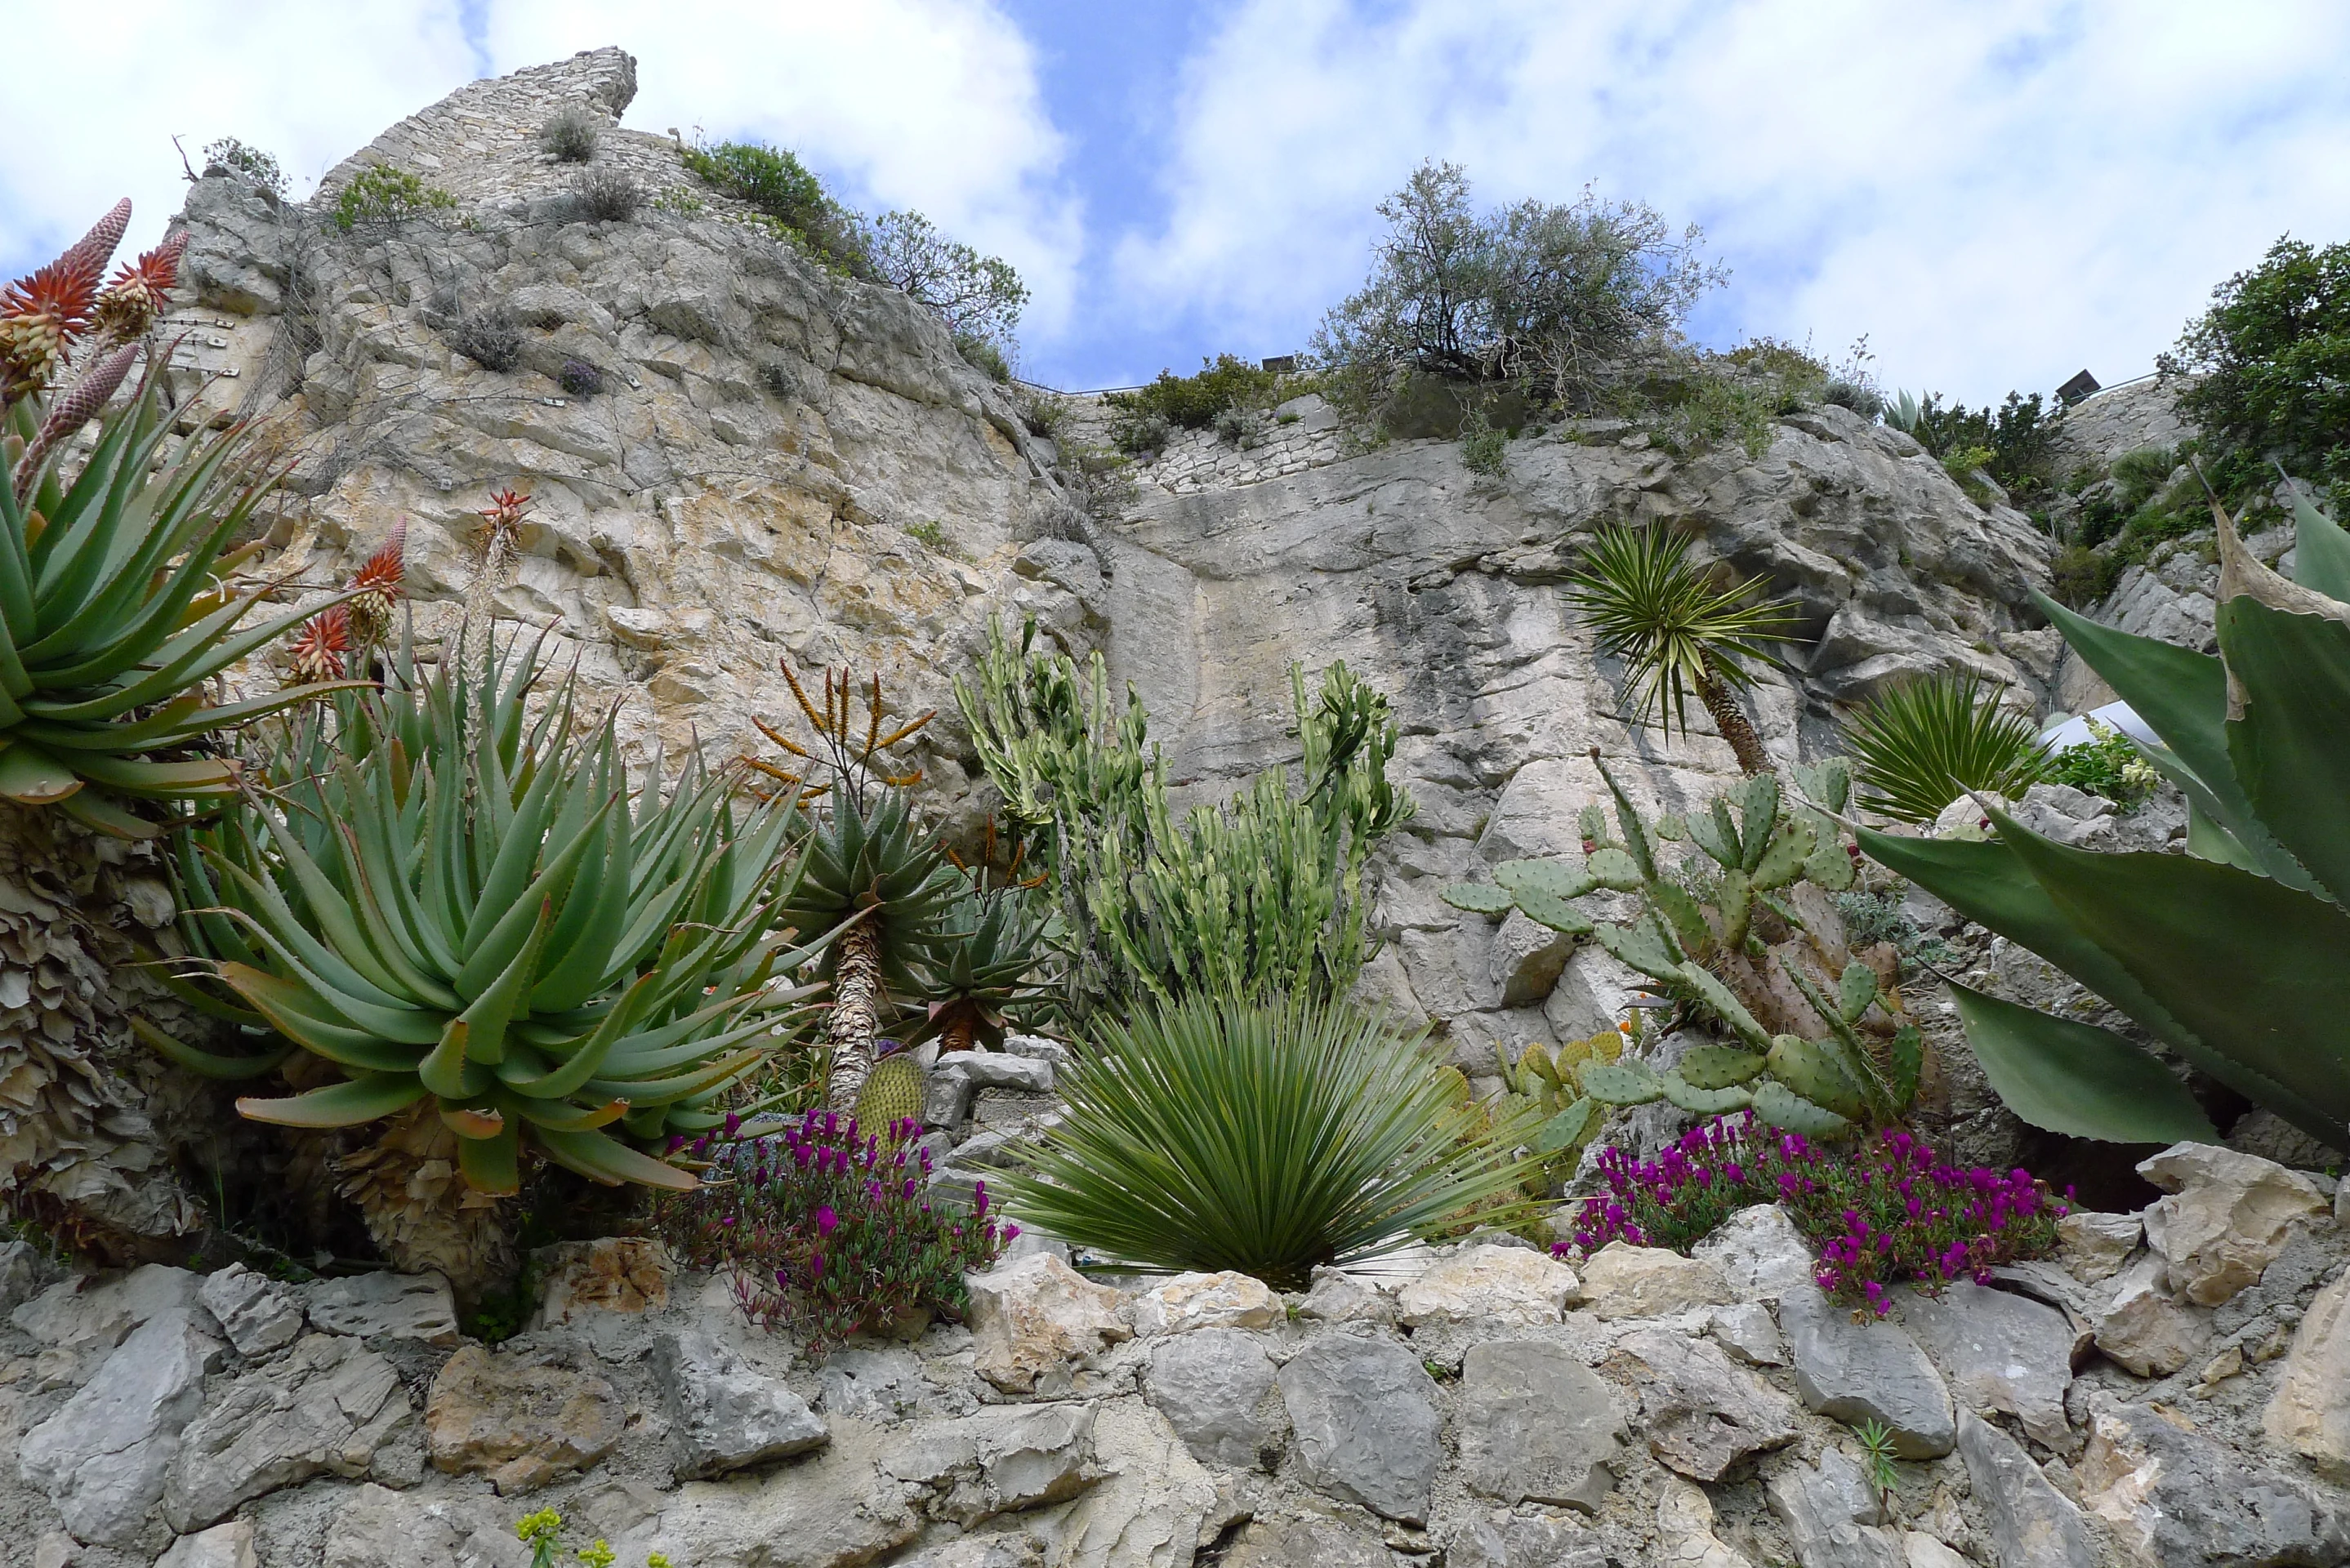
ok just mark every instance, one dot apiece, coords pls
pixel 319 648
pixel 73 411
pixel 140 292
pixel 383 582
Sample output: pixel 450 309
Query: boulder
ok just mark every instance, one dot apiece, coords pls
pixel 257 1314
pixel 622 1274
pixel 1364 1412
pixel 1518 1541
pixel 2142 1328
pixel 323 1409
pixel 2171 1495
pixel 723 1412
pixel 1510 1287
pixel 1699 1412
pixel 2033 1525
pixel 102 1457
pixel 884 1383
pixel 1920 1550
pixel 1685 1537
pixel 1154 1504
pixel 958 1075
pixel 1004 1458
pixel 1621 1282
pixel 1292 1543
pixel 1212 1386
pixel 1760 1253
pixel 2094 1246
pixel 2226 1218
pixel 1999 1354
pixel 522 1419
pixel 1832 1515
pixel 1339 1297
pixel 1526 960
pixel 1226 1300
pixel 1536 1425
pixel 24 1272
pixel 2309 1414
pixel 1032 1317
pixel 226 1545
pixel 838 1508
pixel 85 1312
pixel 1750 1333
pixel 1860 1372
pixel 396 1306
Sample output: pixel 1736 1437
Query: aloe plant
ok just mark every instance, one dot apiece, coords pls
pixel 2232 955
pixel 449 902
pixel 1821 1036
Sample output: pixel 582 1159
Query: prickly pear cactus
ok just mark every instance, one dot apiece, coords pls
pixel 892 1093
pixel 1742 931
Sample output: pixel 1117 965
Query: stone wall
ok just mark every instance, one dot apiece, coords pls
pixel 2170 1392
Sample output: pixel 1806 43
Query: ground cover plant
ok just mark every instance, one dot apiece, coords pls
pixel 1887 1212
pixel 828 1228
pixel 1268 1137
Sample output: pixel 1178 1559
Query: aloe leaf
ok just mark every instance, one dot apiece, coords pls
pixel 94 810
pixel 208 1063
pixel 345 1105
pixel 559 1117
pixel 2076 1079
pixel 486 1019
pixel 493 1164
pixel 2320 549
pixel 598 1157
pixel 31 776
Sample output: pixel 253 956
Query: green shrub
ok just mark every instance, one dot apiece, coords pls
pixel 570 137
pixel 2109 764
pixel 1146 417
pixel 788 194
pixel 492 338
pixel 251 163
pixel 979 298
pixel 984 356
pixel 2273 355
pixel 2138 473
pixel 382 194
pixel 1919 746
pixel 2080 577
pixel 1715 408
pixel 1272 1138
pixel 2017 441
pixel 1484 450
pixel 606 196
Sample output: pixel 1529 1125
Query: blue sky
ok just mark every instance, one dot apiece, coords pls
pixel 1996 192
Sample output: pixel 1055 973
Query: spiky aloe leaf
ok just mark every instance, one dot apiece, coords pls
pixel 1782 1107
pixel 1479 898
pixel 1698 1102
pixel 1620 1083
pixel 1720 1067
pixel 2075 1078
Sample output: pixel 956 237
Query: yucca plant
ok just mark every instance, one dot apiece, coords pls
pixel 1919 746
pixel 451 905
pixel 867 868
pixel 1268 1137
pixel 114 606
pixel 2233 955
pixel 1676 632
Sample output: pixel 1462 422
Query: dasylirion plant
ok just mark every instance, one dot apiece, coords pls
pixel 1748 938
pixel 448 903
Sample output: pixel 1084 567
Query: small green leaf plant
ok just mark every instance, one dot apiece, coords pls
pixel 383 194
pixel 1748 938
pixel 1877 1457
pixel 543 1533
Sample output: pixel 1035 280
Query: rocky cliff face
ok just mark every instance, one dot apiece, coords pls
pixel 784 464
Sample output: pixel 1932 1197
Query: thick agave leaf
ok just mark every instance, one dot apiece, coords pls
pixel 2075 1078
pixel 2288 654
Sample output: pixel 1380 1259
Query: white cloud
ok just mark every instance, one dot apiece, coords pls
pixel 1997 193
pixel 95 97
pixel 928 104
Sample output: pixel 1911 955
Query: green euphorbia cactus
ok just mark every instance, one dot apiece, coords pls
pixel 450 898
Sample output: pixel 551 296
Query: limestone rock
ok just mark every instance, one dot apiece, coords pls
pixel 1760 1253
pixel 1832 1516
pixel 1997 1353
pixel 1860 1372
pixel 84 1313
pixel 878 1385
pixel 316 1411
pixel 1519 1541
pixel 24 1272
pixel 522 1419
pixel 2172 1495
pixel 835 1508
pixel 1225 1300
pixel 1509 1286
pixel 1536 1425
pixel 1211 1385
pixel 1750 1333
pixel 1288 1543
pixel 257 1314
pixel 226 1545
pixel 2226 1218
pixel 102 1456
pixel 1340 1297
pixel 1685 1530
pixel 1034 1316
pixel 2033 1525
pixel 2142 1328
pixel 1621 1281
pixel 1920 1550
pixel 1364 1412
pixel 723 1412
pixel 397 1306
pixel 1526 960
pixel 2094 1245
pixel 1700 1413
pixel 624 1274
pixel 2309 1414
pixel 1153 1505
pixel 958 1075
pixel 1001 1460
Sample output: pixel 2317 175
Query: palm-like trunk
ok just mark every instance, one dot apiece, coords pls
pixel 423 1213
pixel 855 1007
pixel 1727 718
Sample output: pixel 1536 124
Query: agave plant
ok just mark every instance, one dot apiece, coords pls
pixel 1821 1037
pixel 114 609
pixel 1918 746
pixel 1270 1137
pixel 454 906
pixel 2232 955
pixel 868 868
pixel 1675 632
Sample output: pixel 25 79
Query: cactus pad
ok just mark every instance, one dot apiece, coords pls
pixel 1479 898
pixel 1699 1102
pixel 1720 1067
pixel 892 1093
pixel 1620 1083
